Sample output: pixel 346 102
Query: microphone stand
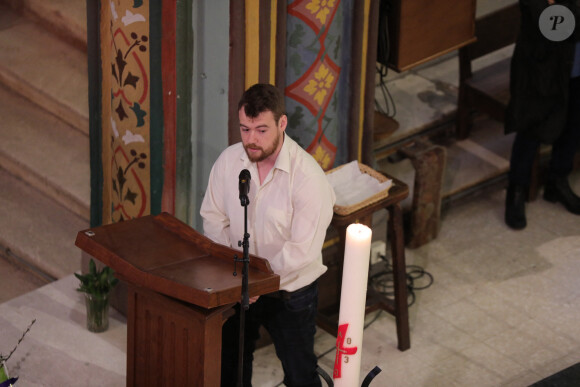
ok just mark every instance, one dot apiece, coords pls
pixel 245 294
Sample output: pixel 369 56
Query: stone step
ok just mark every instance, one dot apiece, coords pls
pixel 44 69
pixel 48 154
pixel 37 230
pixel 481 159
pixel 17 279
pixel 65 18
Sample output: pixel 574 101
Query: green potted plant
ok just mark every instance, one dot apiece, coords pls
pixel 96 285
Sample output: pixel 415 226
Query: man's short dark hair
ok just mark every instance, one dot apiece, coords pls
pixel 262 97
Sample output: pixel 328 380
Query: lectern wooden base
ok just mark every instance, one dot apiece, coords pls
pixel 180 291
pixel 172 343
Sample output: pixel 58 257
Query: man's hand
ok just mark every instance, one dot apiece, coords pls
pixel 254 299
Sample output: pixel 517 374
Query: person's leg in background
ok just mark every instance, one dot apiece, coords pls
pixel 524 151
pixel 557 187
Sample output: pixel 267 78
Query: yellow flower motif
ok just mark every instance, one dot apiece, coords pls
pixel 321 8
pixel 320 85
pixel 322 157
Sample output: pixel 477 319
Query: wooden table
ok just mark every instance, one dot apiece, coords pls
pixel 328 318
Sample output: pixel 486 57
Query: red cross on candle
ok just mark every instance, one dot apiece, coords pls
pixel 341 350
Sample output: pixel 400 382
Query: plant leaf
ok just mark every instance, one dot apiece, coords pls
pixel 92 267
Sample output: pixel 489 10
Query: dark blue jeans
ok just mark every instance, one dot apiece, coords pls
pixel 289 318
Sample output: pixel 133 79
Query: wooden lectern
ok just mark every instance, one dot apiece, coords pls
pixel 181 289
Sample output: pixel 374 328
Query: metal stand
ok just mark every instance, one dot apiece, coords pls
pixel 245 244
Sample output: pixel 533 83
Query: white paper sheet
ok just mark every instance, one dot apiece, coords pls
pixel 352 186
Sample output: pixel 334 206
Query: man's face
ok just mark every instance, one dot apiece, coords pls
pixel 261 136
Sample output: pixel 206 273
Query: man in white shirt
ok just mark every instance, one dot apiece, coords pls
pixel 290 208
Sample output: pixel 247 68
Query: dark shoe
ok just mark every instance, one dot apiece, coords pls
pixel 515 207
pixel 558 190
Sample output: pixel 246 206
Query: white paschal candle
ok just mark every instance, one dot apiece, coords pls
pixel 351 318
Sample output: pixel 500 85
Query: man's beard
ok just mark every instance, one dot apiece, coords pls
pixel 265 153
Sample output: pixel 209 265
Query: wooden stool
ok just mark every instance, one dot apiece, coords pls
pixel 375 301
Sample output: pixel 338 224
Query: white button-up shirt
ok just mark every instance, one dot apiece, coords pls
pixel 287 216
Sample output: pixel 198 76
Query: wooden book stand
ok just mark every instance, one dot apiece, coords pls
pixel 180 289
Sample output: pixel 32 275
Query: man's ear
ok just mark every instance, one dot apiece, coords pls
pixel 283 122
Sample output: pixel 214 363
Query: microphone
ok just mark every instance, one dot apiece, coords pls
pixel 244 186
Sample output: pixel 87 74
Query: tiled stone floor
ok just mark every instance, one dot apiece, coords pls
pixel 503 311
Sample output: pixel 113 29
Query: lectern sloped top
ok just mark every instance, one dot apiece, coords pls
pixel 165 255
